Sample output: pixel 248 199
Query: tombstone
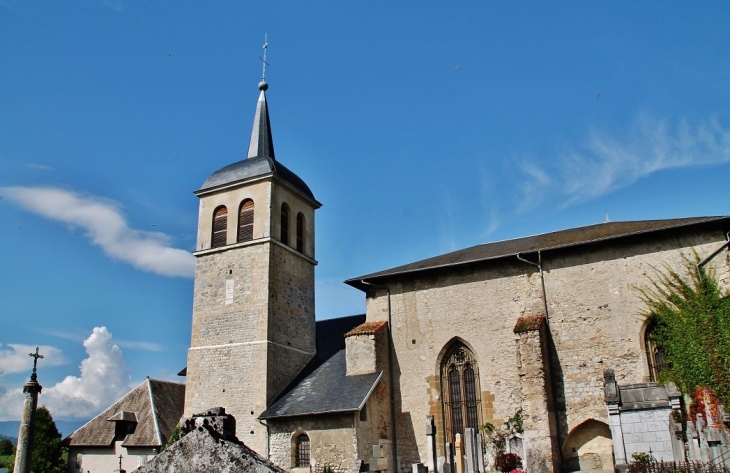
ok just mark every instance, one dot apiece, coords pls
pixel 470 464
pixel 431 444
pixel 480 454
pixel 449 466
pixel 459 454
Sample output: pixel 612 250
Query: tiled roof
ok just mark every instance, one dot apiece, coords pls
pixel 327 390
pixel 157 407
pixel 529 323
pixel 368 328
pixel 572 237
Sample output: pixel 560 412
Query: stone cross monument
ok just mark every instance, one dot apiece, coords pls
pixel 25 435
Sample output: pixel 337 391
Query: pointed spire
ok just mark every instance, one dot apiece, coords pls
pixel 261 144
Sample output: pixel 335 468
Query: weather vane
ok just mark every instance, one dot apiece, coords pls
pixel 263 59
pixel 35 356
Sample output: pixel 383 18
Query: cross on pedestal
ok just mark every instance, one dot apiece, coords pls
pixel 35 356
pixel 120 461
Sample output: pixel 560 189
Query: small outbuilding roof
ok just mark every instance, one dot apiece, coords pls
pixel 154 406
pixel 572 237
pixel 328 390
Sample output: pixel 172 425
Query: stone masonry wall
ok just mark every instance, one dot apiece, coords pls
pixel 595 321
pixel 332 441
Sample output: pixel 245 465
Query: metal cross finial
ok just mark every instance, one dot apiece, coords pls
pixel 263 59
pixel 120 461
pixel 35 356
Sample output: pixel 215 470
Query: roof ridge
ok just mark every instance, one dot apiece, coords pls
pixel 154 411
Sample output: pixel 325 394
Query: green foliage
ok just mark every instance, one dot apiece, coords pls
pixel 174 437
pixel 690 322
pixel 6 447
pixel 47 450
pixel 496 437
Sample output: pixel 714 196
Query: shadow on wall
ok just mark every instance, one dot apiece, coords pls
pixel 557 398
pixel 589 447
pixel 407 443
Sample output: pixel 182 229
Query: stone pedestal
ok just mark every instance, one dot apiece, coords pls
pixel 27 426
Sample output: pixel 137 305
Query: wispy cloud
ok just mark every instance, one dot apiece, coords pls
pixel 38 167
pixel 607 163
pixel 14 357
pixel 103 379
pixel 107 228
pixel 137 345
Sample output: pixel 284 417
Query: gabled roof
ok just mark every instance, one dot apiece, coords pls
pixel 155 406
pixel 572 237
pixel 328 390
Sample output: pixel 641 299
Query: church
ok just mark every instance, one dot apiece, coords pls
pixel 529 327
pixel 547 331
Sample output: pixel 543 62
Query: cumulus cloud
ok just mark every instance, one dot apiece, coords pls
pixel 14 358
pixel 607 163
pixel 104 378
pixel 107 228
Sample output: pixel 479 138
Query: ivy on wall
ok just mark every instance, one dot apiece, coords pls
pixel 689 317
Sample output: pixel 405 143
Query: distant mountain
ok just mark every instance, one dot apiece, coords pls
pixel 12 439
pixel 9 428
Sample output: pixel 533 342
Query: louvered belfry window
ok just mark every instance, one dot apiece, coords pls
pixel 654 355
pixel 300 232
pixel 220 227
pixel 285 224
pixel 302 451
pixel 245 221
pixel 460 385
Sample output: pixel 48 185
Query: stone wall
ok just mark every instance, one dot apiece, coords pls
pixel 333 441
pixel 253 308
pixel 594 314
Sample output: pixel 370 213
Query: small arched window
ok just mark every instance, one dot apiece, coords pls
pixel 285 223
pixel 300 232
pixel 220 227
pixel 460 386
pixel 655 356
pixel 301 451
pixel 245 221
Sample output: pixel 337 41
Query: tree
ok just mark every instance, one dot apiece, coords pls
pixel 6 447
pixel 47 449
pixel 691 325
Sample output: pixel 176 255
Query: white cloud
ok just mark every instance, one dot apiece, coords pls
pixel 608 163
pixel 14 358
pixel 39 167
pixel 148 346
pixel 104 378
pixel 106 227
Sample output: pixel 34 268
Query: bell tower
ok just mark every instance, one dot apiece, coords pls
pixel 253 305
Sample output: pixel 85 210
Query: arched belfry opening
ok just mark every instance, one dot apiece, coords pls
pixel 460 391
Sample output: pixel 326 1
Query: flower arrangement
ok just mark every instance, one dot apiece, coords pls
pixel 508 462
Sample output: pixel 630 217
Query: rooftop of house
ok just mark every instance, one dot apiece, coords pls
pixel 154 407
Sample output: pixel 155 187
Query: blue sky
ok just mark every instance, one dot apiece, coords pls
pixel 422 127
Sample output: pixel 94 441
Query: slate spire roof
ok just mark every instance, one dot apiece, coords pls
pixel 260 161
pixel 261 144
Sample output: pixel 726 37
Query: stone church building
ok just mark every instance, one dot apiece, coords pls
pixel 449 343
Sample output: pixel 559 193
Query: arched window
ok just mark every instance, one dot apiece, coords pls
pixel 220 227
pixel 460 386
pixel 300 232
pixel 655 356
pixel 245 221
pixel 301 451
pixel 285 223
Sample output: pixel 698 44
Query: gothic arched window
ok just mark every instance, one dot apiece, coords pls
pixel 460 386
pixel 220 227
pixel 301 451
pixel 300 232
pixel 285 223
pixel 655 356
pixel 245 221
